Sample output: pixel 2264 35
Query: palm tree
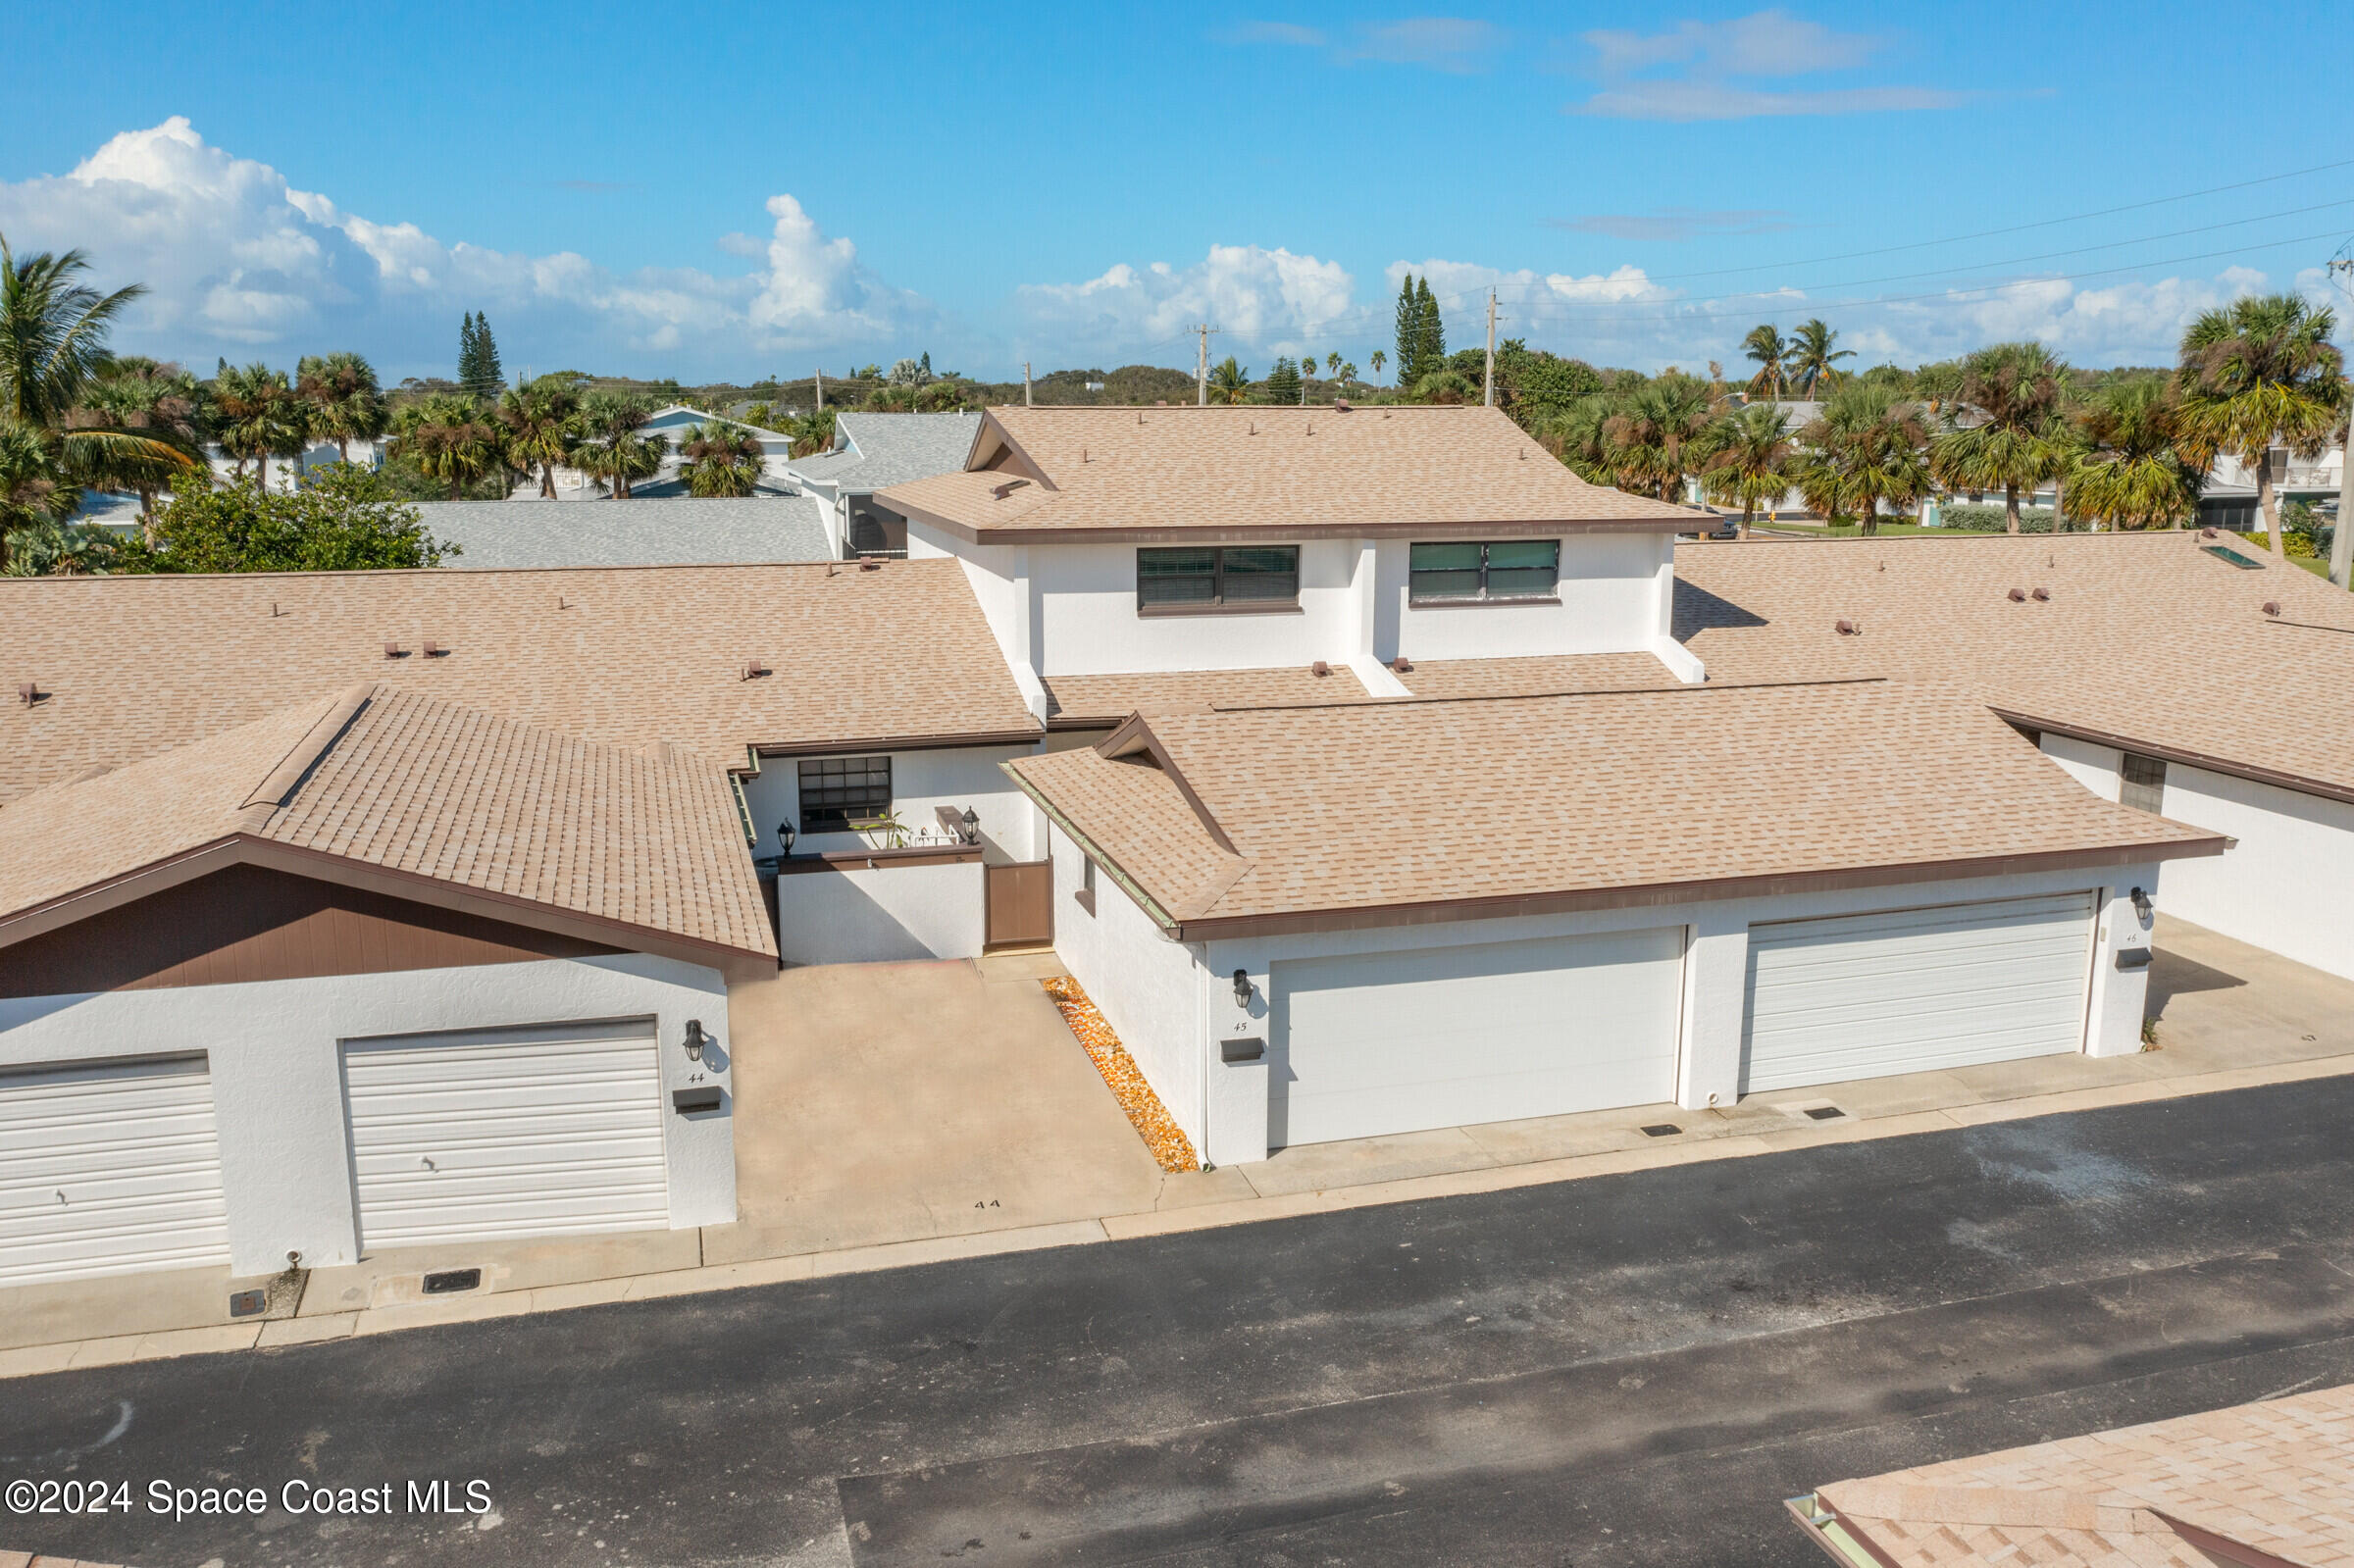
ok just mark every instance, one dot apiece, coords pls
pixel 1444 385
pixel 2015 436
pixel 1380 359
pixel 1579 437
pixel 1664 431
pixel 53 331
pixel 1229 383
pixel 256 417
pixel 346 404
pixel 1332 363
pixel 540 421
pixel 1810 361
pixel 611 448
pixel 1755 462
pixel 2258 372
pixel 813 434
pixel 721 460
pixel 1770 349
pixel 2144 467
pixel 30 494
pixel 159 402
pixel 1866 451
pixel 451 437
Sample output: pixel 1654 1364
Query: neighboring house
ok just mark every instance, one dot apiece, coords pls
pixel 2192 677
pixel 872 453
pixel 1354 920
pixel 2261 1486
pixel 692 531
pixel 373 971
pixel 2229 498
pixel 1197 554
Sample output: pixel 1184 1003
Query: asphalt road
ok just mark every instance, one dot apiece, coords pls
pixel 1626 1370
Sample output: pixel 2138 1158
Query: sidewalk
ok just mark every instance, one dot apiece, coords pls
pixel 2229 1017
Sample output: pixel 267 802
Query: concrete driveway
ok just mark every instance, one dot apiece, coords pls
pixel 878 1103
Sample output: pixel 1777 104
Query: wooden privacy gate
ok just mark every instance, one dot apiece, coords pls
pixel 1021 904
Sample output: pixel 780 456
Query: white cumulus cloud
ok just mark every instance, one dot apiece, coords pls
pixel 1268 301
pixel 239 263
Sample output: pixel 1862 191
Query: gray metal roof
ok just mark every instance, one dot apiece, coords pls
pixel 687 532
pixel 887 449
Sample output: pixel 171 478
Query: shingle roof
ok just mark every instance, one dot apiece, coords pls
pixel 687 532
pixel 892 448
pixel 621 656
pixel 2270 1477
pixel 1356 808
pixel 387 778
pixel 1297 471
pixel 1088 700
pixel 2145 637
pixel 1537 675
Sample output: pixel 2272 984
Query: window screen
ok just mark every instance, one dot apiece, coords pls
pixel 1251 573
pixel 2144 786
pixel 1502 569
pixel 840 791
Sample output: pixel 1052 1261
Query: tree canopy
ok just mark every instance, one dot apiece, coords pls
pixel 346 519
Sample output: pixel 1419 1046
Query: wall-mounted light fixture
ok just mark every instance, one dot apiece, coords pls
pixel 1242 988
pixel 785 838
pixel 972 826
pixel 2142 903
pixel 695 1039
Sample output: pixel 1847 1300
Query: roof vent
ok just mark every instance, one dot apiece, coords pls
pixel 1340 405
pixel 2206 533
pixel 2040 595
pixel 870 563
pixel 1320 667
pixel 1000 491
pixel 754 669
pixel 2271 607
pixel 435 650
pixel 30 691
pixel 393 650
pixel 1848 628
pixel 2019 595
pixel 1403 665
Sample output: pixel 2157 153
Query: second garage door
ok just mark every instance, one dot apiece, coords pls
pixel 1911 989
pixel 512 1132
pixel 1396 1043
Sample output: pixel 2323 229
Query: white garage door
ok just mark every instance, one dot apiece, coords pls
pixel 108 1170
pixel 512 1132
pixel 1910 989
pixel 1396 1043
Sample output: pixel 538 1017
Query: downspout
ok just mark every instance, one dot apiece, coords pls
pixel 1200 952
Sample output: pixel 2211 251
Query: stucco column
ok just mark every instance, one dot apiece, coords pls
pixel 1715 997
pixel 1235 1060
pixel 2113 1009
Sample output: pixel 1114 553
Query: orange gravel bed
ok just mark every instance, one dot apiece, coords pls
pixel 1163 1137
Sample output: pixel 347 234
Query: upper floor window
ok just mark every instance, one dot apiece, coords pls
pixel 2143 784
pixel 1501 569
pixel 1232 577
pixel 840 793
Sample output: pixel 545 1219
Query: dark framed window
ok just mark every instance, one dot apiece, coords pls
pixel 2145 783
pixel 1498 568
pixel 1218 578
pixel 1086 895
pixel 838 792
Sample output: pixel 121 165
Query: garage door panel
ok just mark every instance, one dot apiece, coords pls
pixel 551 1130
pixel 1369 1044
pixel 109 1169
pixel 1915 990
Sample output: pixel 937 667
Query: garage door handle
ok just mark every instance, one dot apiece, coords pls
pixel 61 1197
pixel 429 1164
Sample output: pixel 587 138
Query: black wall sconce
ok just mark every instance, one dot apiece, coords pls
pixel 972 826
pixel 2141 904
pixel 695 1039
pixel 1242 988
pixel 785 838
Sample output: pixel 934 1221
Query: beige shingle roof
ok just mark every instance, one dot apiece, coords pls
pixel 1297 472
pixel 390 779
pixel 1086 700
pixel 623 656
pixel 1537 676
pixel 2271 1476
pixel 2145 637
pixel 1351 809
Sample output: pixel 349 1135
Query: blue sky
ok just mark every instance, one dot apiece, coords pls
pixel 718 193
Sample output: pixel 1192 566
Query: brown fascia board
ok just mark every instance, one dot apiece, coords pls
pixel 1136 735
pixel 2296 783
pixel 835 749
pixel 318 866
pixel 1432 912
pixel 1011 534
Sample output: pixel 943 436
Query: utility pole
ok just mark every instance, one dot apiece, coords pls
pixel 1025 383
pixel 1488 396
pixel 2342 537
pixel 1202 367
pixel 821 392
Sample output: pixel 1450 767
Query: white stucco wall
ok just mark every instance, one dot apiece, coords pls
pixel 1609 592
pixel 1090 625
pixel 2096 768
pixel 958 776
pixel 274 1050
pixel 2288 886
pixel 858 916
pixel 1151 990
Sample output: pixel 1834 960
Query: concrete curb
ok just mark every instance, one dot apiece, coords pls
pixel 280 1333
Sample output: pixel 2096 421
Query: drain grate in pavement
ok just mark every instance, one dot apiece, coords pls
pixel 1823 1113
pixel 1661 1130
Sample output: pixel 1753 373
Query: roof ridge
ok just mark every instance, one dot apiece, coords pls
pixel 278 786
pixel 1537 696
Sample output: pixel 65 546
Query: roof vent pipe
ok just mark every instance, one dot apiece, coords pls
pixel 2040 595
pixel 2019 595
pixel 1848 628
pixel 2271 607
pixel 1320 667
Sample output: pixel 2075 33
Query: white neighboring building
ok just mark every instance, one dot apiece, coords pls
pixel 874 452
